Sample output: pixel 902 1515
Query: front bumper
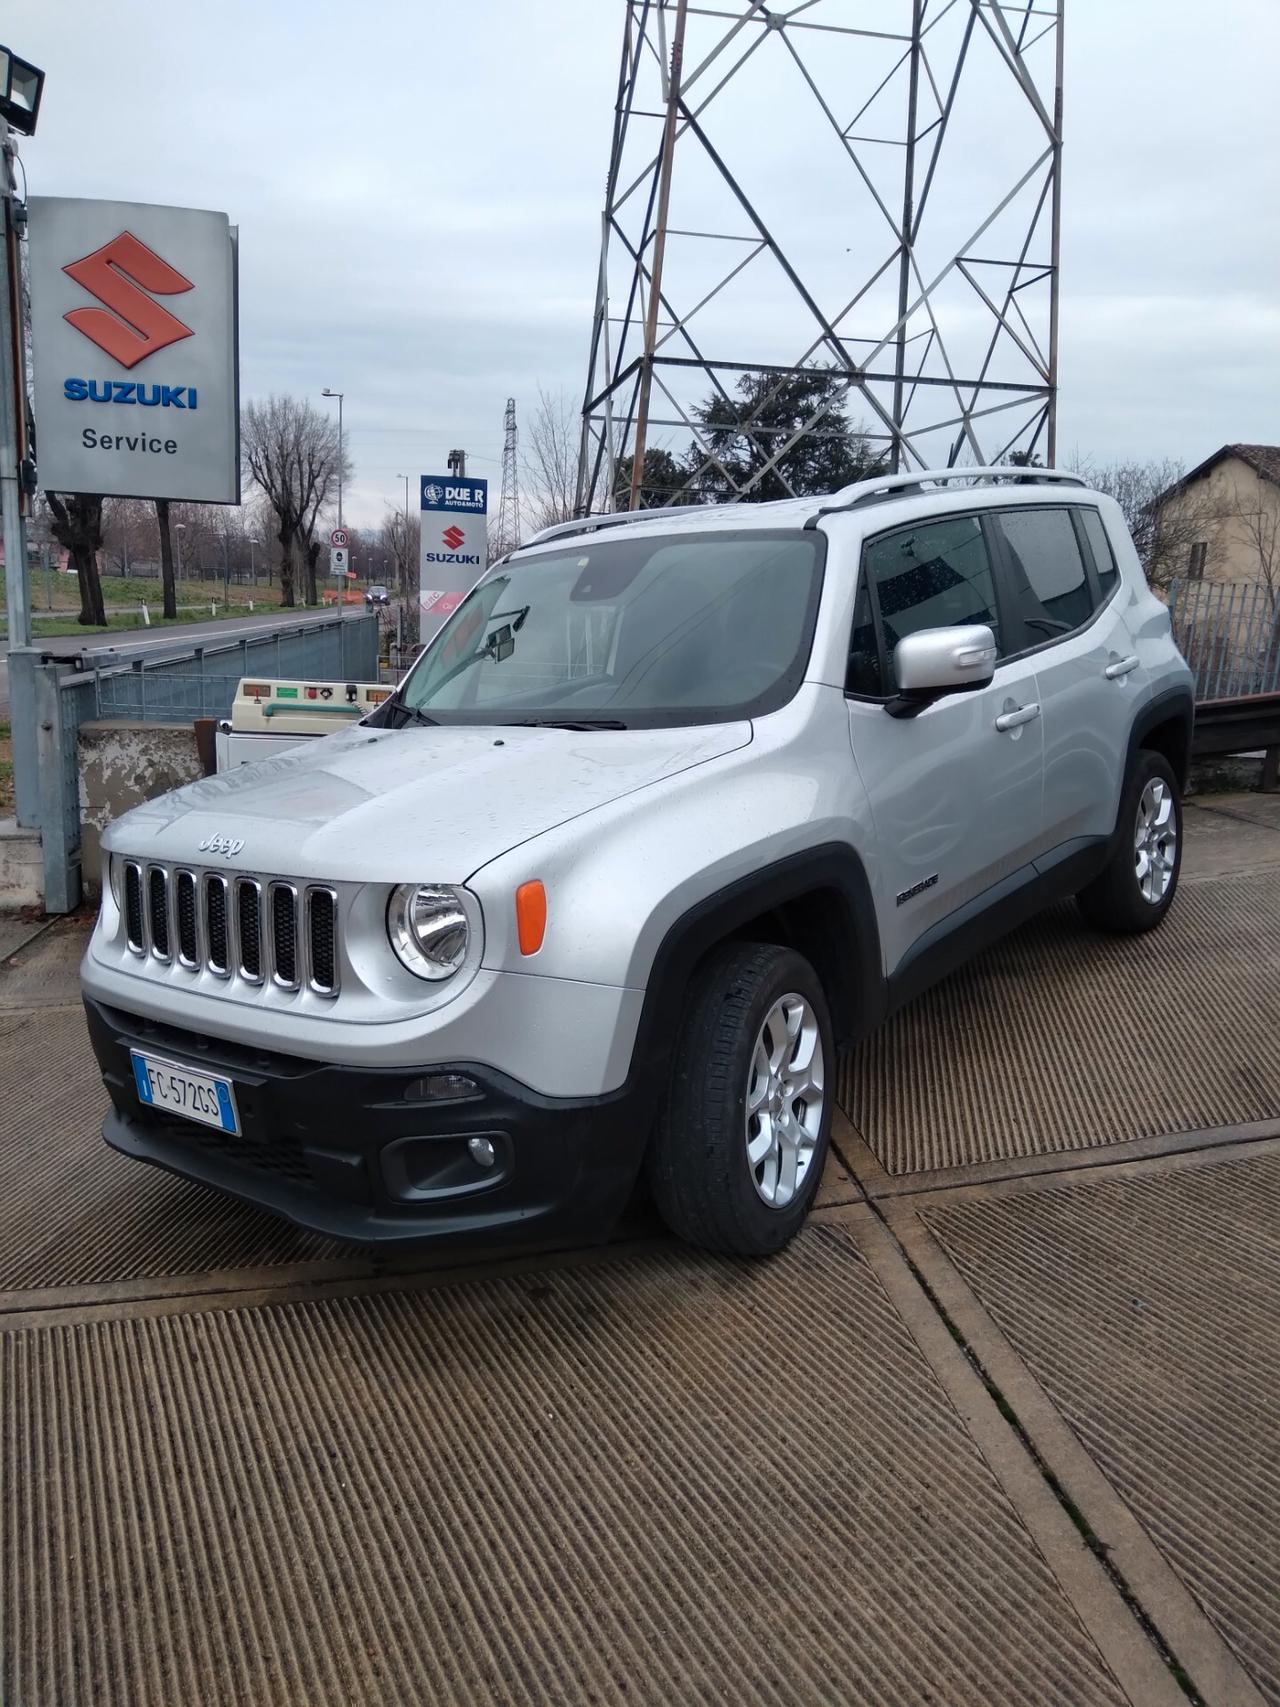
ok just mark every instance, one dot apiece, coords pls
pixel 364 1154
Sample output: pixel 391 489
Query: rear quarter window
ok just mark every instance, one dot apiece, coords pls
pixel 1104 561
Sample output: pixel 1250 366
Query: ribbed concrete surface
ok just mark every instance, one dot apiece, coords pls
pixel 1149 1310
pixel 74 1212
pixel 661 1479
pixel 1060 1039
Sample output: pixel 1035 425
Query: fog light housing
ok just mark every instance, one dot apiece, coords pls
pixel 441 1087
pixel 482 1151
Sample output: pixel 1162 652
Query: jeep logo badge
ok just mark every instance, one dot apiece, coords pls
pixel 229 845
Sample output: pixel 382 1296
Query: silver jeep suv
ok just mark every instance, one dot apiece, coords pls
pixel 674 805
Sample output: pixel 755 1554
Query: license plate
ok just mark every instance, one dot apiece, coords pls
pixel 176 1089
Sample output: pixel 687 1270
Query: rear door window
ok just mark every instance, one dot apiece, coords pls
pixel 1047 585
pixel 933 575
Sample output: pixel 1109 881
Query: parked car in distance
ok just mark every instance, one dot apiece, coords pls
pixel 675 804
pixel 376 594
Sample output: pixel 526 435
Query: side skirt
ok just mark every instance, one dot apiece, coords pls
pixel 993 914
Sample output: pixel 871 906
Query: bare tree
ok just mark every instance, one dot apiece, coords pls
pixel 76 522
pixel 291 453
pixel 128 540
pixel 1257 524
pixel 166 558
pixel 551 459
pixel 1165 523
pixel 400 542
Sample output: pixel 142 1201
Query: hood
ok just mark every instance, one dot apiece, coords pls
pixel 390 805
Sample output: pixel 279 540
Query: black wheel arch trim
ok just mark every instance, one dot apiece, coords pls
pixel 856 1008
pixel 1173 704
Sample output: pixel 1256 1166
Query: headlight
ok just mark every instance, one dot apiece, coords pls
pixel 115 878
pixel 429 930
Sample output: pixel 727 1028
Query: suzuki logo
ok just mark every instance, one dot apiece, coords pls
pixel 132 325
pixel 453 537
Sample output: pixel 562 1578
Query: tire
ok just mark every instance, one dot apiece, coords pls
pixel 1135 889
pixel 707 1189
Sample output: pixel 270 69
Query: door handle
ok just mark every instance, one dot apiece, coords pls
pixel 1014 719
pixel 1121 667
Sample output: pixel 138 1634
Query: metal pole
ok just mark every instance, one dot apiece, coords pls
pixel 339 459
pixel 22 692
pixel 1055 251
pixel 908 221
pixel 659 252
pixel 404 590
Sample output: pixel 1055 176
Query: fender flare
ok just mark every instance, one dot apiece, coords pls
pixel 1173 703
pixel 832 868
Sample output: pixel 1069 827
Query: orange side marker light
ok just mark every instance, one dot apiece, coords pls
pixel 531 916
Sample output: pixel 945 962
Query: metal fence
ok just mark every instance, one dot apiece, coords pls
pixel 1230 636
pixel 199 681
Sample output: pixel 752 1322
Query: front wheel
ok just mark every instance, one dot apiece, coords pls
pixel 1135 889
pixel 740 1147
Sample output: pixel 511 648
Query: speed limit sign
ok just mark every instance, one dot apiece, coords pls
pixel 338 538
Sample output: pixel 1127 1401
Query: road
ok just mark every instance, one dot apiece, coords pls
pixel 160 641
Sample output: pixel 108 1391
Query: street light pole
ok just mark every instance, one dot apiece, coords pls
pixel 12 387
pixel 339 395
pixel 405 478
pixel 253 573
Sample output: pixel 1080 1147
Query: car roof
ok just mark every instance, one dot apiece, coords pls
pixel 880 496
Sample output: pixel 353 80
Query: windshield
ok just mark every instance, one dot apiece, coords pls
pixel 638 632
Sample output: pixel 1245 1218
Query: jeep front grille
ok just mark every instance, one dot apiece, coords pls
pixel 277 933
pixel 135 927
pixel 249 922
pixel 284 935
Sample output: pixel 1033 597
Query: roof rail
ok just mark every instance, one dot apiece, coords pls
pixel 879 488
pixel 616 518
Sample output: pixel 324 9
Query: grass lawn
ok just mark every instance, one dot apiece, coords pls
pixel 6 771
pixel 55 603
pixel 61 623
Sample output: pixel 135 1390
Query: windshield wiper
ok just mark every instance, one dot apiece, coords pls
pixel 565 723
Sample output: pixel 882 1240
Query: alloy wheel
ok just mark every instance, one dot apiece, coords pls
pixel 1155 841
pixel 785 1093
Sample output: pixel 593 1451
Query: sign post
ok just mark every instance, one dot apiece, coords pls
pixel 454 548
pixel 133 339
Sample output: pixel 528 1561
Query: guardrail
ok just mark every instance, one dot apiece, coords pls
pixel 195 681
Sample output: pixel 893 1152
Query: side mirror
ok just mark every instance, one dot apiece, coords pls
pixel 939 661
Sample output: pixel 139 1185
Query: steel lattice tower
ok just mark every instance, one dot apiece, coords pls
pixel 883 177
pixel 508 530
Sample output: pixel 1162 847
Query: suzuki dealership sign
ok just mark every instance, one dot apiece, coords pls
pixel 133 331
pixel 455 548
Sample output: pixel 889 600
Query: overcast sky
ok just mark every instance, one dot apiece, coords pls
pixel 418 188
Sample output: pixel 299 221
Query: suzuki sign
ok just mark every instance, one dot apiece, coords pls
pixel 133 332
pixel 455 547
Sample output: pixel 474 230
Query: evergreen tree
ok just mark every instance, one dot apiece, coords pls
pixel 663 483
pixel 745 434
